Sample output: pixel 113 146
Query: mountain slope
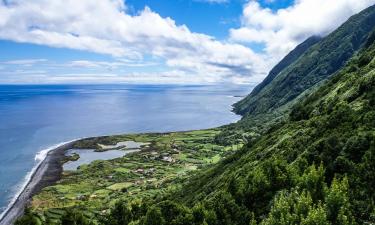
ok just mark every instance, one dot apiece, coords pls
pixel 316 64
pixel 316 168
pixel 286 61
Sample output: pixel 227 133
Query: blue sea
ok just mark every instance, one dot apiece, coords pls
pixel 35 117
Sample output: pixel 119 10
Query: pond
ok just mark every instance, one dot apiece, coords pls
pixel 87 156
pixel 124 144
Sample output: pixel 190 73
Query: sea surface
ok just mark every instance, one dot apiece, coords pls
pixel 35 117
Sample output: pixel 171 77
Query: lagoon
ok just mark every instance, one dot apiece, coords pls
pixel 87 156
pixel 36 117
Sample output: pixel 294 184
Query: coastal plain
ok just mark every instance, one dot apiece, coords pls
pixel 160 166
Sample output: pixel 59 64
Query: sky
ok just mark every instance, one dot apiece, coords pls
pixel 157 41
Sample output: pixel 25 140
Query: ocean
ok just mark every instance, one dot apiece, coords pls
pixel 34 118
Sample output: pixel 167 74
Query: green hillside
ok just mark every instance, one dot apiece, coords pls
pixel 318 63
pixel 295 54
pixel 314 166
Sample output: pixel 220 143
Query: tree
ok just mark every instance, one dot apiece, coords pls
pixel 316 216
pixel 75 217
pixel 27 219
pixel 227 210
pixel 120 214
pixel 154 217
pixel 313 181
pixel 290 208
pixel 337 203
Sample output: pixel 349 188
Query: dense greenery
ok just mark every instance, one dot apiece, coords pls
pixel 318 63
pixel 316 165
pixel 289 59
pixel 315 168
pixel 160 165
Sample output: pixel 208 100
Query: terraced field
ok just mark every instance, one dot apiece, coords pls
pixel 158 167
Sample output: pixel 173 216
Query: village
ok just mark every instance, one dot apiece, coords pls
pixel 160 165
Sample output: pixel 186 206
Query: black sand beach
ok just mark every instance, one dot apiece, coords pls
pixel 48 172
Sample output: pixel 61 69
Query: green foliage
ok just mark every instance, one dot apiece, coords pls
pixel 337 203
pixel 317 63
pixel 121 214
pixel 154 217
pixel 286 61
pixel 316 216
pixel 313 180
pixel 289 208
pixel 28 219
pixel 75 217
pixel 335 134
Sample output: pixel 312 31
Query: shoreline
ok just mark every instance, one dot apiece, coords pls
pixel 45 173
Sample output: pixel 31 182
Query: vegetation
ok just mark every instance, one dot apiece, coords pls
pixel 289 59
pixel 317 63
pixel 159 167
pixel 315 165
pixel 314 168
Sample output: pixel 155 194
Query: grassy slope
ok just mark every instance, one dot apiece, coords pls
pixel 316 64
pixel 334 127
pixel 289 59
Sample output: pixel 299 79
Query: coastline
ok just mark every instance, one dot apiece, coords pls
pixel 46 172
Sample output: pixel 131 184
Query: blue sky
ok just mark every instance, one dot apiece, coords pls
pixel 214 19
pixel 164 41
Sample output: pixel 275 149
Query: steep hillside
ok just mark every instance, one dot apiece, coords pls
pixel 286 61
pixel 315 168
pixel 316 64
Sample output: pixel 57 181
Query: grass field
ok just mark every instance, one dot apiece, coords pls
pixel 155 169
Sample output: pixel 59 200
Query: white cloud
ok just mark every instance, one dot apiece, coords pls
pixel 103 26
pixel 27 72
pixel 213 1
pixel 106 64
pixel 282 30
pixel 173 77
pixel 85 64
pixel 24 62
